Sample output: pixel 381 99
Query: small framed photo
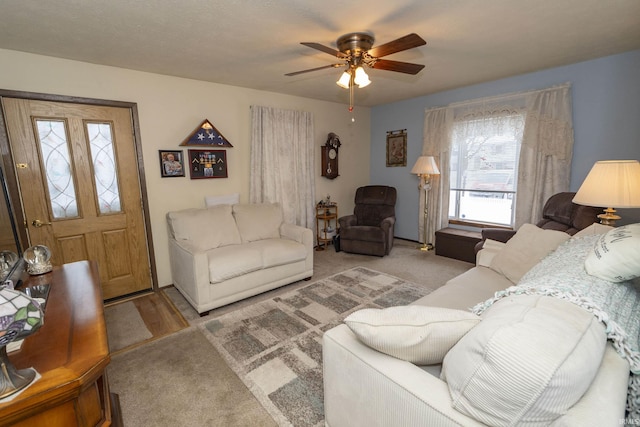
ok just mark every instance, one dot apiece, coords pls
pixel 207 164
pixel 397 148
pixel 171 163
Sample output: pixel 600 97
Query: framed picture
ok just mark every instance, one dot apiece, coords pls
pixel 397 148
pixel 171 163
pixel 207 164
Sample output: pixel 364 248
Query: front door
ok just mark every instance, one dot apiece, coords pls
pixel 78 177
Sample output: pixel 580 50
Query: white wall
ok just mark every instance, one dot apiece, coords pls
pixel 170 108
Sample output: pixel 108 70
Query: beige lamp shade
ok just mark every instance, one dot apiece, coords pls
pixel 425 165
pixel 611 183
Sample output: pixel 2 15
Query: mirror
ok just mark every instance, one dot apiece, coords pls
pixel 8 236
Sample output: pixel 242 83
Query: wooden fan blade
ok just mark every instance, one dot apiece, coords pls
pixel 295 73
pixel 325 49
pixel 401 67
pixel 403 43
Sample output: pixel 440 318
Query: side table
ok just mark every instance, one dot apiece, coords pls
pixel 326 224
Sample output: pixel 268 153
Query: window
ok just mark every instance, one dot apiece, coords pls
pixel 484 167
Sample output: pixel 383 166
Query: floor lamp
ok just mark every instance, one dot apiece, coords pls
pixel 425 167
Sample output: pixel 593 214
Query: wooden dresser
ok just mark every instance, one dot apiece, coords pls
pixel 70 352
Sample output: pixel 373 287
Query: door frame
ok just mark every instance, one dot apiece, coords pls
pixel 9 166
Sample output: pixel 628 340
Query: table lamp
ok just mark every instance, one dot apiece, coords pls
pixel 611 184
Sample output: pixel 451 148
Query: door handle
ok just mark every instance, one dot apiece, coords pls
pixel 37 223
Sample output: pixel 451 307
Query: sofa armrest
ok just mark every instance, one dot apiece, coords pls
pixel 302 235
pixel 347 221
pixel 388 223
pixel 363 387
pixel 499 234
pixel 189 269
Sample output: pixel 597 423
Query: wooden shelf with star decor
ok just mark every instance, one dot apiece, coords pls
pixel 206 135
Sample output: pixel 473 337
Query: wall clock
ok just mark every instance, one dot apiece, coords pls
pixel 330 156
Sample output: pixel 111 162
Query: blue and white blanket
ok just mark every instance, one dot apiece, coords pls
pixel 617 305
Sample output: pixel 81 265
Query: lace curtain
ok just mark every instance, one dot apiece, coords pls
pixel 282 162
pixel 545 154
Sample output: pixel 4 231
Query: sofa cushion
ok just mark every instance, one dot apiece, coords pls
pixel 275 252
pixel 257 221
pixel 417 334
pixel 528 361
pixel 232 261
pixel 616 255
pixel 363 233
pixel 204 228
pixel 525 249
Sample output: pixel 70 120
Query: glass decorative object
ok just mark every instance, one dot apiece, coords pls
pixel 20 316
pixel 38 260
pixel 7 260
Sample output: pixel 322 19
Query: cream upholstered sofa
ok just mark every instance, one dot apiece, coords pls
pixel 225 253
pixel 364 385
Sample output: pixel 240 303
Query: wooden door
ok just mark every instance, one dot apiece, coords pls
pixel 78 177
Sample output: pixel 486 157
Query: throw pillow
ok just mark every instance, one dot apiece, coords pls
pixel 258 221
pixel 417 334
pixel 525 249
pixel 595 228
pixel 616 255
pixel 205 228
pixel 530 359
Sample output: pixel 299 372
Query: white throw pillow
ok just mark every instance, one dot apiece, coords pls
pixel 525 249
pixel 595 228
pixel 205 228
pixel 418 334
pixel 530 359
pixel 227 199
pixel 616 255
pixel 258 221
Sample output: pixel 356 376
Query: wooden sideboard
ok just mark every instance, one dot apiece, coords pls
pixel 70 352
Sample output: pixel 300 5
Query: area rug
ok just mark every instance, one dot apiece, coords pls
pixel 275 346
pixel 125 326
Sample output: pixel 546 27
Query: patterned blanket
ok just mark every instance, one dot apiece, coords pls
pixel 562 275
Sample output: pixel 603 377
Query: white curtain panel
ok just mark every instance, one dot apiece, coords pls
pixel 282 162
pixel 545 156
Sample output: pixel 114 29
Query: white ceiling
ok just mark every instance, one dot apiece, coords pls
pixel 254 43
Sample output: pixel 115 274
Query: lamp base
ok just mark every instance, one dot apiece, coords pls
pixel 426 247
pixel 609 217
pixel 13 380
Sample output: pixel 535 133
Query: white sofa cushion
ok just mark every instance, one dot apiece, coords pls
pixel 595 228
pixel 616 255
pixel 232 261
pixel 525 249
pixel 275 252
pixel 528 361
pixel 417 334
pixel 257 221
pixel 205 228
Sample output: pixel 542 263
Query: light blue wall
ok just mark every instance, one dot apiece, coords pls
pixel 606 120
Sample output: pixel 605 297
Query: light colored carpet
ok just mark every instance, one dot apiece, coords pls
pixel 125 326
pixel 275 346
pixel 181 380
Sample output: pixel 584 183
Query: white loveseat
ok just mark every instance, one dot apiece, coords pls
pixel 225 253
pixel 367 387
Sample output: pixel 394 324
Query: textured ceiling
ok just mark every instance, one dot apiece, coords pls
pixel 254 43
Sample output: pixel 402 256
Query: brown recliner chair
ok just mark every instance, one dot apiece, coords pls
pixel 559 213
pixel 369 230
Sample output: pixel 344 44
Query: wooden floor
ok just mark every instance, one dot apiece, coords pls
pixel 159 314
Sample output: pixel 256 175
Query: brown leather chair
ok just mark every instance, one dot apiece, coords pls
pixel 369 230
pixel 559 213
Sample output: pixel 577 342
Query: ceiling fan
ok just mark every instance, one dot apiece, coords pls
pixel 356 50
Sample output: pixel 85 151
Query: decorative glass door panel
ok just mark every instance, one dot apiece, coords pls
pixel 56 164
pixel 105 172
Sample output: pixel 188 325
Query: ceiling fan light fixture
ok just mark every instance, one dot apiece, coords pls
pixel 345 80
pixel 361 78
